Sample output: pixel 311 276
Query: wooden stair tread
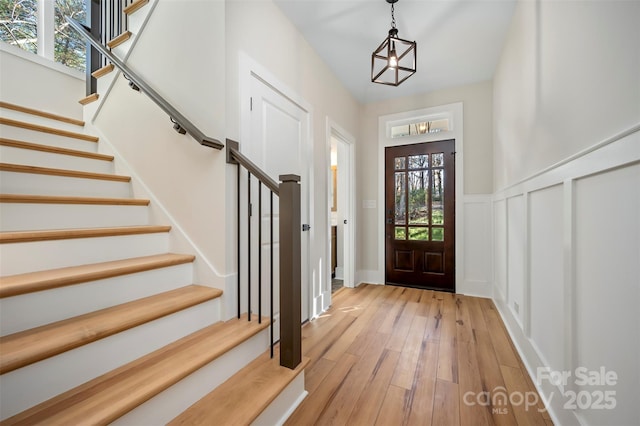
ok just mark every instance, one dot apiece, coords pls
pixel 13 285
pixel 21 168
pixel 104 399
pixel 46 129
pixel 118 40
pixel 135 6
pixel 242 398
pixel 40 113
pixel 26 347
pixel 102 71
pixel 65 234
pixel 54 199
pixel 89 98
pixel 54 149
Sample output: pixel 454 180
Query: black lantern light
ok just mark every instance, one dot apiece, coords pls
pixel 395 59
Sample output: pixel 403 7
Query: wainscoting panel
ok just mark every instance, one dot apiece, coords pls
pixel 546 270
pixel 607 287
pixel 477 264
pixel 515 258
pixel 567 251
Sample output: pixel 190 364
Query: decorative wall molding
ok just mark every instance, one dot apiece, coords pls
pixel 549 231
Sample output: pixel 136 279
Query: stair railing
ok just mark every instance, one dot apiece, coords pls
pixel 180 123
pixel 288 193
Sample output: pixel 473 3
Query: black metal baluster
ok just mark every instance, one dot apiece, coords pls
pixel 249 246
pixel 111 23
pixel 238 240
pixel 259 252
pixel 271 270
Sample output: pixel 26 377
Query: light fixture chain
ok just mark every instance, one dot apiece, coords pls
pixel 393 17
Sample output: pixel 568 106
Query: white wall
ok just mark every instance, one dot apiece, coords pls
pixel 259 30
pixel 184 66
pixel 567 209
pixel 477 128
pixel 24 77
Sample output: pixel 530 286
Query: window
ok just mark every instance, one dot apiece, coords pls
pixel 19 27
pixel 19 24
pixel 419 127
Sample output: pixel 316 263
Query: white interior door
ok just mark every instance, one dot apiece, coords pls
pixel 279 145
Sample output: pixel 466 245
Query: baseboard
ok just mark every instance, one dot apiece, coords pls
pixel 364 276
pixel 551 395
pixel 284 405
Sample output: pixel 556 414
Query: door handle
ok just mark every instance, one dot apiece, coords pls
pixel 389 221
pixel 306 227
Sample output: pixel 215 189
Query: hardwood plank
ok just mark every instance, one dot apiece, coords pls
pixel 404 374
pixel 339 410
pixel 27 347
pixel 45 280
pixel 403 387
pixel 63 234
pixel 135 6
pixel 445 404
pixel 492 381
pixel 46 129
pixel 242 398
pixel 104 399
pixel 311 408
pixel 102 71
pixel 19 168
pixel 51 199
pixel 54 149
pixel 118 40
pixel 448 360
pixel 500 338
pixel 40 113
pixel 463 320
pixel 316 373
pixel 516 384
pixel 470 387
pixel 422 392
pixel 402 326
pixel 365 411
pixel 89 98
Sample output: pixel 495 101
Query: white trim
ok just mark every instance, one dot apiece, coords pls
pixel 454 112
pixel 45 29
pixel 37 59
pixel 335 130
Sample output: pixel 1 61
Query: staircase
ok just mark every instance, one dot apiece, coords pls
pixel 100 321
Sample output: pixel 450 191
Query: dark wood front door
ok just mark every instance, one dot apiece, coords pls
pixel 420 215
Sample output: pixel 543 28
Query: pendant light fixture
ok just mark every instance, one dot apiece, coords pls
pixel 395 59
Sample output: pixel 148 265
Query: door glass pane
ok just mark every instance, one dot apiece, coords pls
pixel 419 234
pixel 437 234
pixel 400 163
pixel 401 233
pixel 437 197
pixel 400 199
pixel 419 161
pixel 437 160
pixel 419 197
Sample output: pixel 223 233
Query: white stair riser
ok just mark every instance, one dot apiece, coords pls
pixel 25 387
pixel 37 184
pixel 19 258
pixel 33 136
pixel 32 217
pixel 48 306
pixel 42 121
pixel 167 405
pixel 30 157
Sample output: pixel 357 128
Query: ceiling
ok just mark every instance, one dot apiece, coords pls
pixel 458 41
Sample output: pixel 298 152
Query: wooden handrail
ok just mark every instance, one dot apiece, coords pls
pixel 234 156
pixel 181 123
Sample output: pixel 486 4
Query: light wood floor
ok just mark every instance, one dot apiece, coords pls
pixel 389 356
